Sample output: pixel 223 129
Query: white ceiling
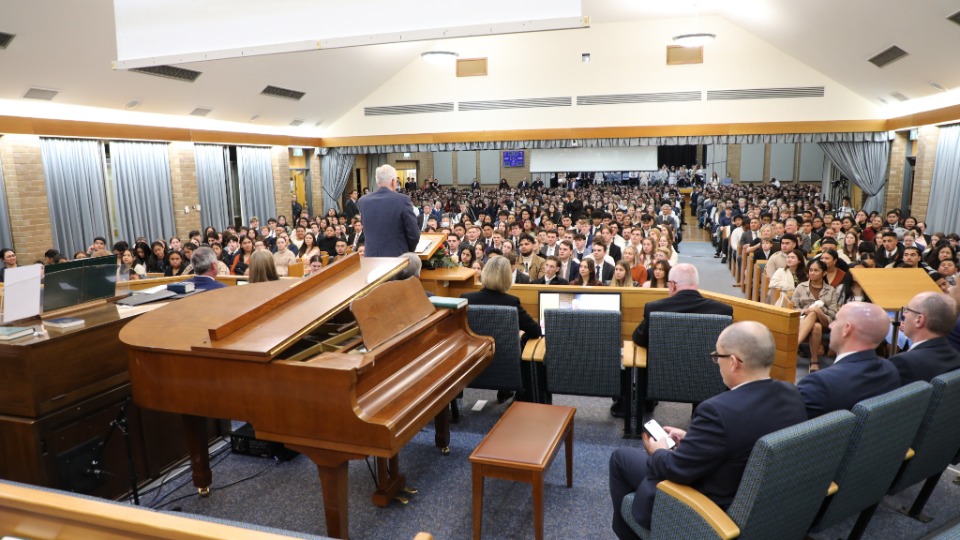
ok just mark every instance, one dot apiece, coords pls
pixel 69 46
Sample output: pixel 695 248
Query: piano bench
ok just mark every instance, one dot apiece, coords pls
pixel 520 447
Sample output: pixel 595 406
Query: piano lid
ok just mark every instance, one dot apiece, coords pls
pixel 258 321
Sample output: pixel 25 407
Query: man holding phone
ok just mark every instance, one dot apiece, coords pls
pixel 712 455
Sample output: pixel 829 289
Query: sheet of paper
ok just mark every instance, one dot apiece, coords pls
pixel 423 245
pixel 21 292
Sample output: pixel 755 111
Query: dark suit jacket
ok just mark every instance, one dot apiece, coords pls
pixel 927 360
pixel 605 273
pixel 723 431
pixel 614 251
pixel 682 302
pixel 351 209
pixel 353 236
pixel 857 377
pixel 486 297
pixel 556 281
pixel 520 278
pixel 205 283
pixel 883 260
pixel 389 225
pixel 954 337
pixel 573 269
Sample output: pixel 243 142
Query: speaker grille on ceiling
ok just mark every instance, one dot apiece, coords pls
pixel 886 57
pixel 296 123
pixel 408 109
pixel 955 17
pixel 170 72
pixel 285 93
pixel 899 96
pixel 765 93
pixel 41 93
pixel 515 104
pixel 200 111
pixel 5 39
pixel 616 99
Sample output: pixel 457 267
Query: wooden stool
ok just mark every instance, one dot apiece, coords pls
pixel 520 447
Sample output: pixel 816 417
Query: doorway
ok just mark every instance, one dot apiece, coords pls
pixel 407 171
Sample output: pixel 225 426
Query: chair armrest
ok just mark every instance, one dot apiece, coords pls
pixel 700 508
pixel 534 349
pixel 910 453
pixel 423 536
pixel 634 356
pixel 832 489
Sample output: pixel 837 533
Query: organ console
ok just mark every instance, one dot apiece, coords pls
pixel 253 354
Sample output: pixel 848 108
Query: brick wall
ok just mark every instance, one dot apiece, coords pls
pixel 280 159
pixel 27 205
pixel 515 174
pixel 898 156
pixel 183 178
pixel 927 140
pixel 733 161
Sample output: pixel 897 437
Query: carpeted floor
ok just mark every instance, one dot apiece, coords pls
pixel 287 495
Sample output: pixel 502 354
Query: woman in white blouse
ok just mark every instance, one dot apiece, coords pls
pixel 786 279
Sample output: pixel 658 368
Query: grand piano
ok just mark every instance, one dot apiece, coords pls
pixel 251 353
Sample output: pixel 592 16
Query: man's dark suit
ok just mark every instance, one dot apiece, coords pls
pixel 954 337
pixel 353 240
pixel 605 273
pixel 927 360
pixel 853 379
pixel 713 455
pixel 351 209
pixel 573 269
pixel 556 281
pixel 519 278
pixel 486 297
pixel 883 259
pixel 614 251
pixel 683 302
pixel 205 283
pixel 475 185
pixel 389 224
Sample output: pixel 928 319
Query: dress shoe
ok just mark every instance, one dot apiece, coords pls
pixel 717 255
pixel 503 395
pixel 616 410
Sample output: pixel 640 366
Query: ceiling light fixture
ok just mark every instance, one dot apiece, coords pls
pixel 696 38
pixel 938 86
pixel 439 57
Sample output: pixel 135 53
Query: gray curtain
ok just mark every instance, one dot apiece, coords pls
pixel 865 164
pixel 144 195
pixel 73 172
pixel 6 235
pixel 335 170
pixel 943 212
pixel 213 166
pixel 870 136
pixel 374 161
pixel 255 170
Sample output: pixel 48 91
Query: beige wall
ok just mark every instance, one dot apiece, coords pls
pixel 26 196
pixel 927 140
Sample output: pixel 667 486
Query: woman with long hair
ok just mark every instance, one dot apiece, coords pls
pixel 588 274
pixel 638 271
pixel 262 267
pixel 309 247
pixel 129 265
pixel 156 258
pixel 851 246
pixel 647 248
pixel 786 279
pixel 173 264
pixel 665 243
pixel 659 276
pixel 622 277
pixel 465 256
pixel 241 259
pixel 818 303
pixel 9 259
pixel 835 276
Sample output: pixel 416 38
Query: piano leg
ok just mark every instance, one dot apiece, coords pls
pixel 333 470
pixel 441 424
pixel 195 428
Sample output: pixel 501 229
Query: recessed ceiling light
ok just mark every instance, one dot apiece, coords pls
pixel 201 111
pixel 694 40
pixel 297 123
pixel 132 105
pixel 439 57
pixel 41 93
pixel 253 118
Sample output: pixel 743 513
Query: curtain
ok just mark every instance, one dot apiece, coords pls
pixel 865 164
pixel 255 169
pixel 335 170
pixel 73 172
pixel 213 166
pixel 6 235
pixel 871 136
pixel 828 187
pixel 943 212
pixel 144 195
pixel 374 161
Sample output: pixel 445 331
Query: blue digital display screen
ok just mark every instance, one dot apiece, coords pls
pixel 513 158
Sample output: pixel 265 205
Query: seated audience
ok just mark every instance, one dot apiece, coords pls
pixel 857 373
pixel 926 321
pixel 551 269
pixel 587 273
pixel 712 454
pixel 818 303
pixel 786 279
pixel 659 276
pixel 262 267
pixel 9 261
pixel 622 277
pixel 204 262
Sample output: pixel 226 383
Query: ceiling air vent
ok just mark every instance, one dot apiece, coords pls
pixel 297 122
pixel 5 39
pixel 170 72
pixel 955 17
pixel 515 104
pixel 408 109
pixel 899 96
pixel 890 55
pixel 285 93
pixel 41 93
pixel 765 93
pixel 200 111
pixel 616 99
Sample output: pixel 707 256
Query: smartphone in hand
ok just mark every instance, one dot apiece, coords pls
pixel 656 431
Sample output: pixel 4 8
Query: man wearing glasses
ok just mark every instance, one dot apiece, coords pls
pixel 857 373
pixel 712 455
pixel 390 225
pixel 927 320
